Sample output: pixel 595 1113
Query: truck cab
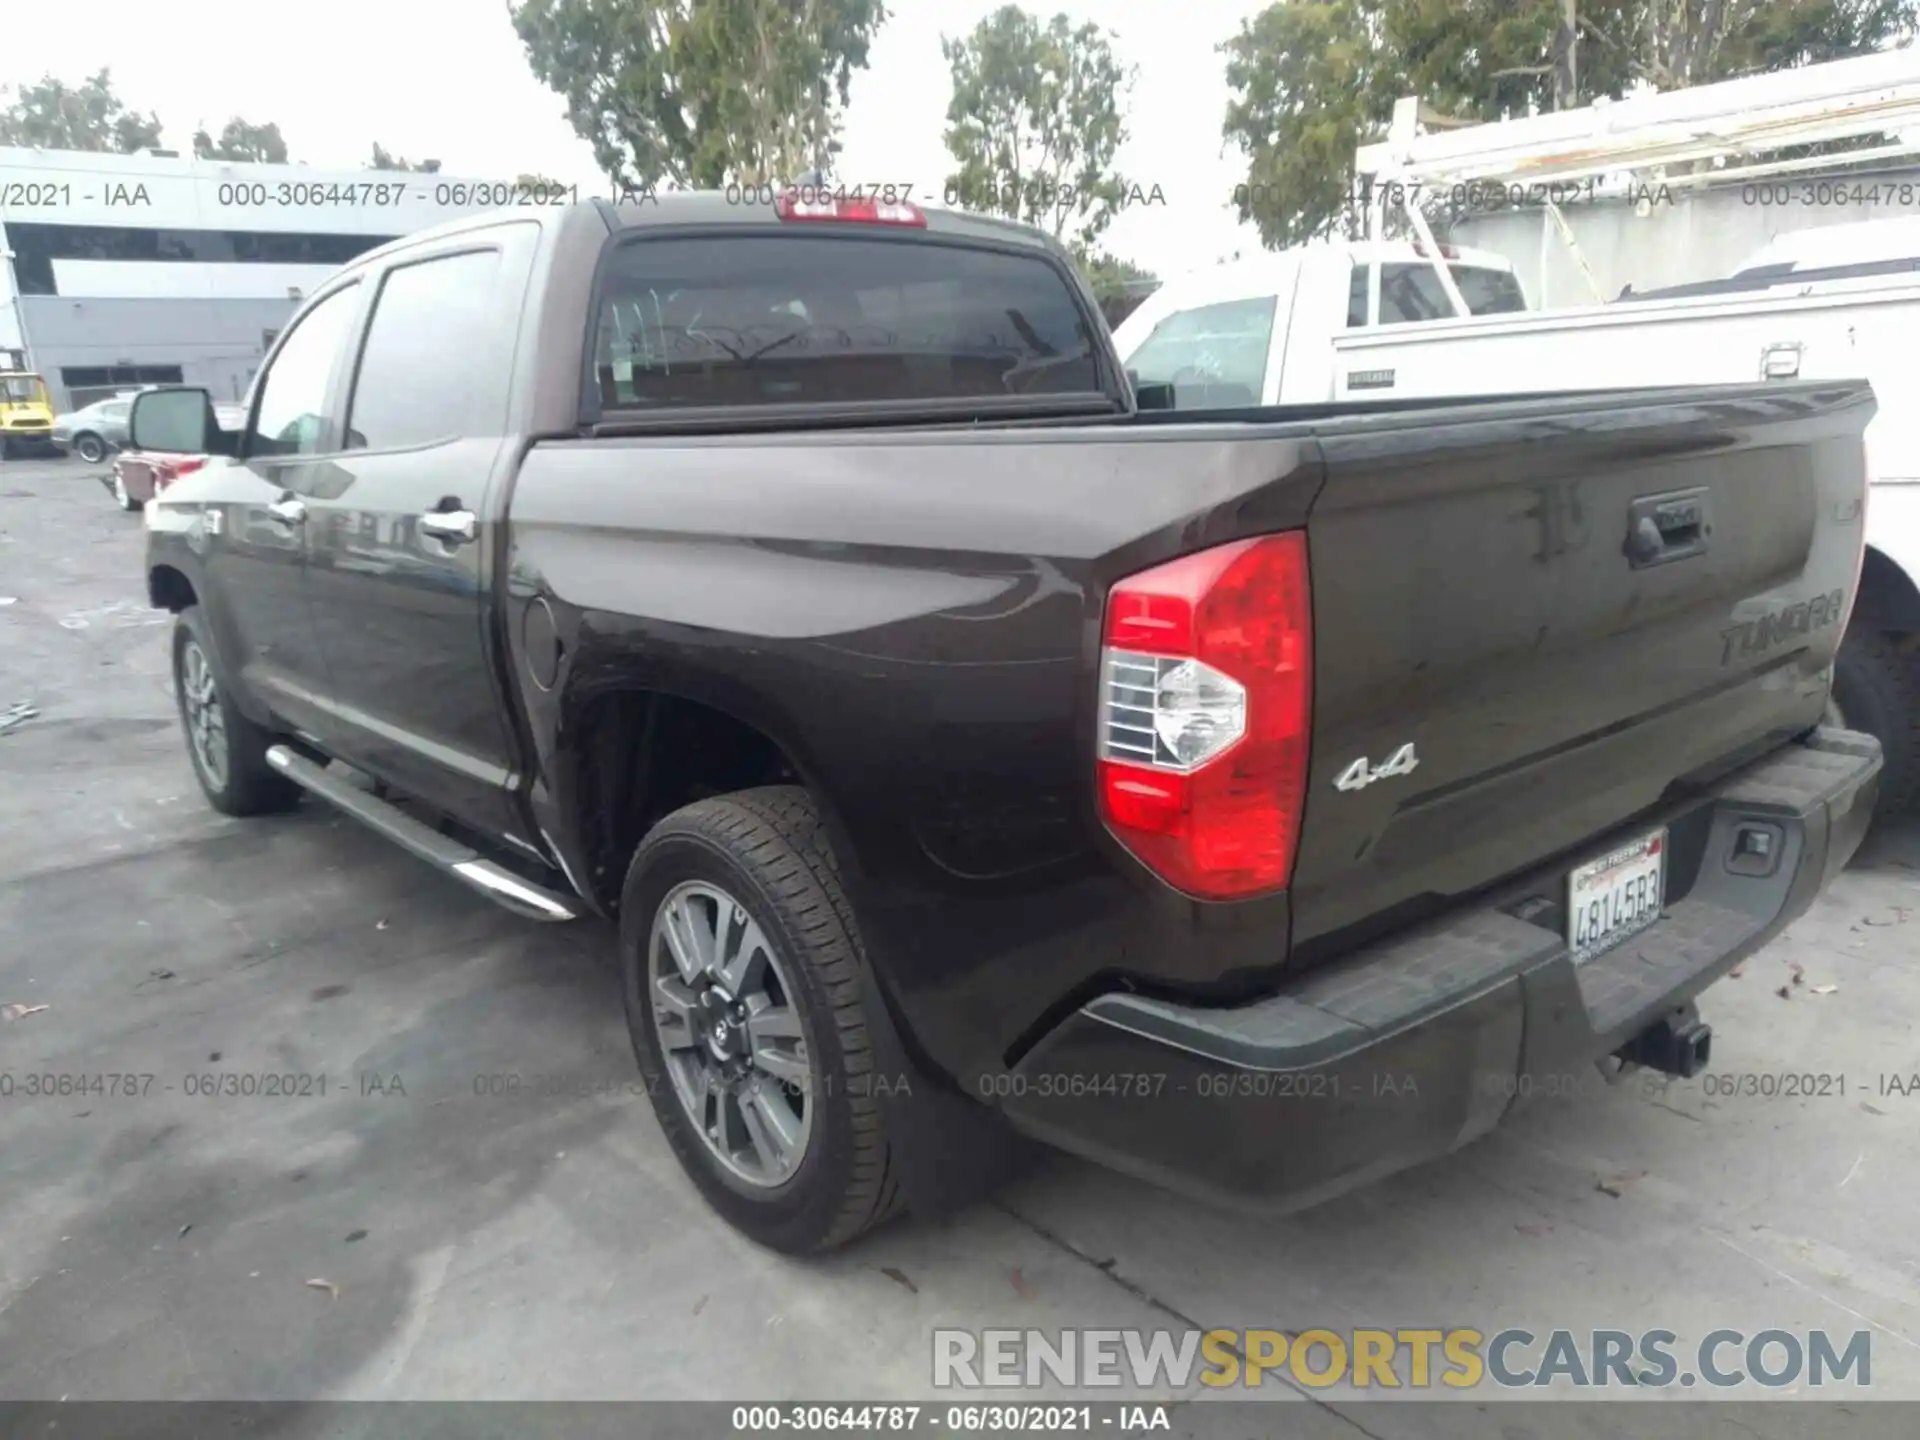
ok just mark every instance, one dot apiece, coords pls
pixel 1261 331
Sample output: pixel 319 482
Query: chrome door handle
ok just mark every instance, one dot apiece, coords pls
pixel 287 510
pixel 449 525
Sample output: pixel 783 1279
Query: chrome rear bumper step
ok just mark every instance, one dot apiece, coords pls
pixel 461 861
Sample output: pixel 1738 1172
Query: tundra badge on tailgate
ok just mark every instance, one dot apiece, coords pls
pixel 1754 637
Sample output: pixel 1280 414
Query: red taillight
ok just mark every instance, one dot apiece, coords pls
pixel 807 205
pixel 165 472
pixel 1206 701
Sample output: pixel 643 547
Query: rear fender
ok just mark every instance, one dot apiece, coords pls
pixel 1889 596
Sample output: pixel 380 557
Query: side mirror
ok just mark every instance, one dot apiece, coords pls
pixel 174 422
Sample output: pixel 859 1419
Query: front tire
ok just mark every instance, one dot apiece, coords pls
pixel 90 448
pixel 742 972
pixel 1876 689
pixel 227 750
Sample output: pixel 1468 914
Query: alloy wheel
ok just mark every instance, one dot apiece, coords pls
pixel 735 1051
pixel 206 723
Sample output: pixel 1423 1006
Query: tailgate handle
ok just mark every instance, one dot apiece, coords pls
pixel 1780 362
pixel 1664 528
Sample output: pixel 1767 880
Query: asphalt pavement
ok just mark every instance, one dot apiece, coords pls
pixel 428 1176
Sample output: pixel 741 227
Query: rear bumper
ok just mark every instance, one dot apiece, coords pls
pixel 1419 1043
pixel 26 438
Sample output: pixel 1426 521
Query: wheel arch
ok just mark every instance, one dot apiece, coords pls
pixel 1889 599
pixel 636 753
pixel 169 588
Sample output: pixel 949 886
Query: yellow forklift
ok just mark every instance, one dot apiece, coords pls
pixel 26 412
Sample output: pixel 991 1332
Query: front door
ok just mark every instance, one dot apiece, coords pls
pixel 399 546
pixel 256 555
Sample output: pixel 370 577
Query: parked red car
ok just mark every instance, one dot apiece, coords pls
pixel 137 477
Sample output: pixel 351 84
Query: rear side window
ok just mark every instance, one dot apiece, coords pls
pixel 429 369
pixel 788 319
pixel 1412 292
pixel 1214 355
pixel 1357 297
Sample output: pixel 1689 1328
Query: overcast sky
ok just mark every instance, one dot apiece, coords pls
pixel 446 79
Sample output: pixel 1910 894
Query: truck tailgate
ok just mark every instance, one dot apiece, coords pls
pixel 1570 609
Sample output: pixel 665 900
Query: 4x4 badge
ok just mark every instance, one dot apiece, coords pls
pixel 1360 774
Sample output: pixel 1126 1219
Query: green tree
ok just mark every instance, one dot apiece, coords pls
pixel 702 93
pixel 538 184
pixel 1311 80
pixel 1106 273
pixel 243 141
pixel 1673 45
pixel 53 115
pixel 1303 90
pixel 384 161
pixel 1034 123
pixel 1119 285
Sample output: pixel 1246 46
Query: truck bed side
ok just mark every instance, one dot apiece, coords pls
pixel 914 617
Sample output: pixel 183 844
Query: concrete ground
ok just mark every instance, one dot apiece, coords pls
pixel 410 1235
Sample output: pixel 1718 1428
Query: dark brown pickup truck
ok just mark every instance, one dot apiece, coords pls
pixel 967 754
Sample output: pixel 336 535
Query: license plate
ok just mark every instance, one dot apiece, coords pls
pixel 1616 896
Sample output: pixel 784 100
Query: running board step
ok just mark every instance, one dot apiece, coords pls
pixel 464 863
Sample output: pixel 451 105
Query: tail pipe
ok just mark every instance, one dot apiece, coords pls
pixel 1678 1043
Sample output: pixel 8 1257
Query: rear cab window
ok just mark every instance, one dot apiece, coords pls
pixel 1410 291
pixel 774 318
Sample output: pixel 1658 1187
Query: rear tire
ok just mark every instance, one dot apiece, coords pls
pixel 90 448
pixel 766 851
pixel 1876 689
pixel 227 750
pixel 121 497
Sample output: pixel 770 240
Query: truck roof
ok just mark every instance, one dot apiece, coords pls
pixel 1273 271
pixel 725 207
pixel 716 207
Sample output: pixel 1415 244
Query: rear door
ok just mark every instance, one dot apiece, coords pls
pixel 399 559
pixel 113 421
pixel 1561 611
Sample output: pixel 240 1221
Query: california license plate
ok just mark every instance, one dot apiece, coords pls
pixel 1616 896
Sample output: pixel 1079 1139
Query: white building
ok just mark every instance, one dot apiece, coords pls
pixel 122 270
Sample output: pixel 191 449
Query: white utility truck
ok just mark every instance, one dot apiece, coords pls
pixel 1838 302
pixel 1267 331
